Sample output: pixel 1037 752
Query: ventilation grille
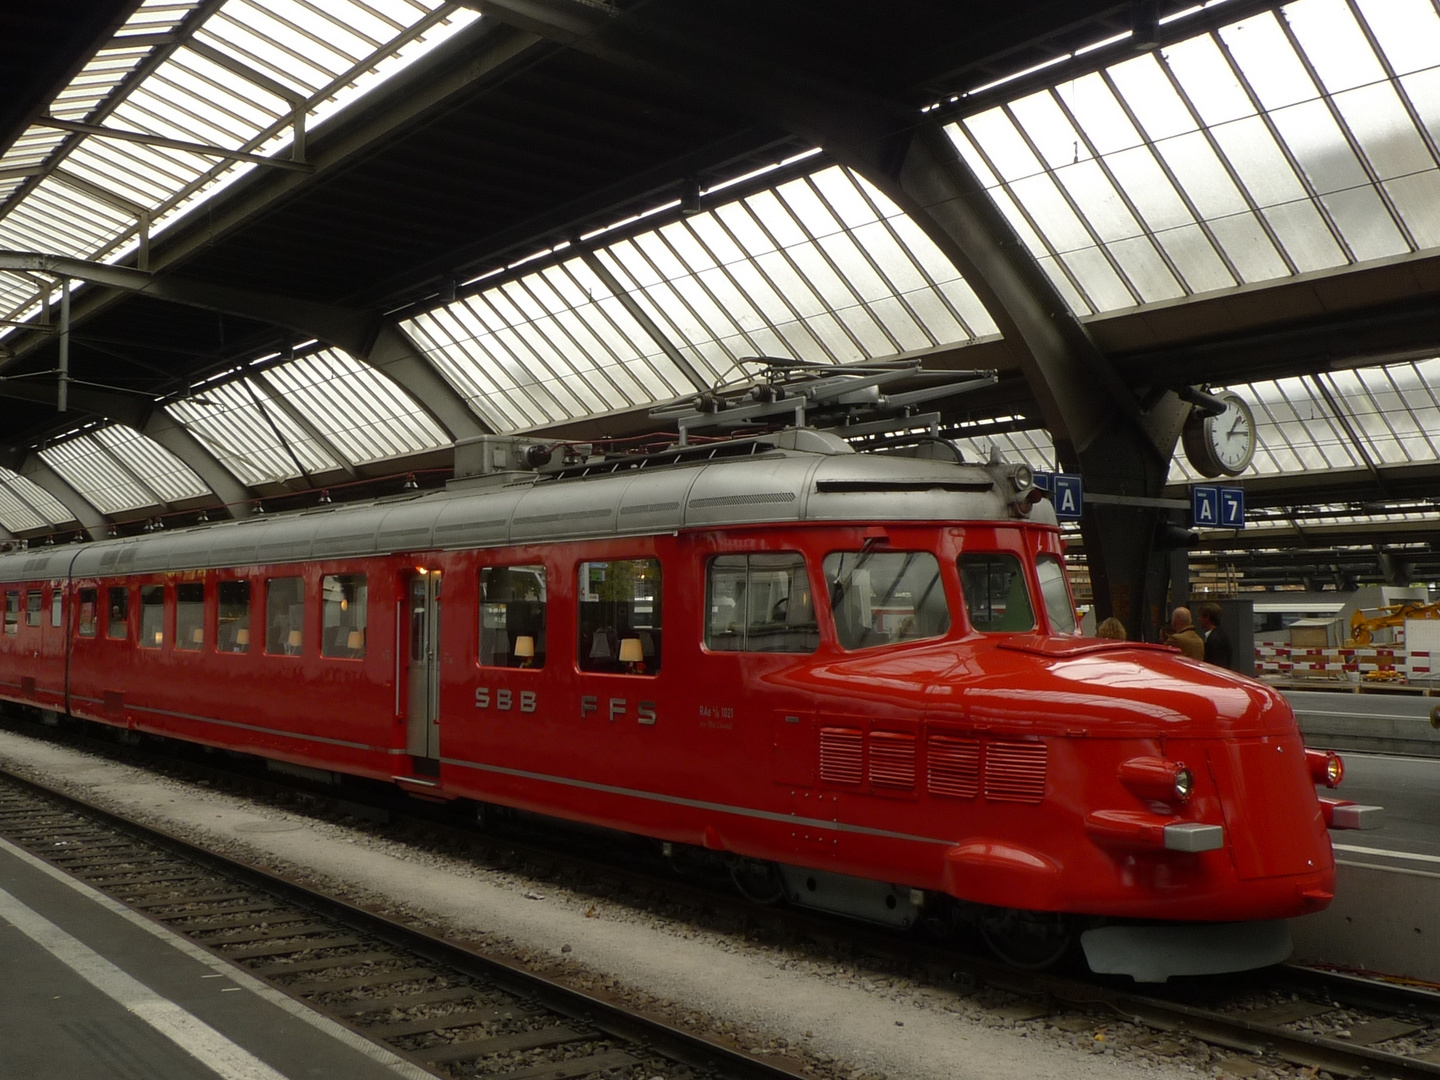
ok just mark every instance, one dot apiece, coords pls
pixel 892 760
pixel 841 754
pixel 1015 772
pixel 954 766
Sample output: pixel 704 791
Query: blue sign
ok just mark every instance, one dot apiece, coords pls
pixel 1204 507
pixel 1044 480
pixel 1069 496
pixel 1232 508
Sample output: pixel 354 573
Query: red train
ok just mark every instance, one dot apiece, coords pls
pixel 855 677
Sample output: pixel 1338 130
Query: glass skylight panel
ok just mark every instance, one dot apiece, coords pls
pixel 363 414
pixel 97 477
pixel 250 433
pixel 550 346
pixel 163 473
pixel 25 506
pixel 327 54
pixel 1222 160
pixel 823 268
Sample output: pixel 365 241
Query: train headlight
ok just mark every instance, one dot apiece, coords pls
pixel 1157 779
pixel 1184 783
pixel 1325 767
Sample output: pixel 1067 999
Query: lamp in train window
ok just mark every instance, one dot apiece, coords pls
pixel 197 636
pixel 524 650
pixel 292 643
pixel 632 655
pixel 159 638
pixel 355 642
pixel 242 639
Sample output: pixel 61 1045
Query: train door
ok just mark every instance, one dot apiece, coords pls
pixel 422 711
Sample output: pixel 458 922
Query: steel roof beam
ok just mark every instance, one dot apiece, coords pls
pixel 181 442
pixel 347 328
pixel 40 473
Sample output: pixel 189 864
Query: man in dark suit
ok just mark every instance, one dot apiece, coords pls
pixel 1217 642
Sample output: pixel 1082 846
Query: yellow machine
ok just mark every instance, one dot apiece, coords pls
pixel 1366 621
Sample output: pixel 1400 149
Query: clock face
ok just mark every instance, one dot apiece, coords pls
pixel 1222 444
pixel 1231 435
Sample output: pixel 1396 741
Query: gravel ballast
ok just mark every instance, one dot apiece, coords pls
pixel 840 1019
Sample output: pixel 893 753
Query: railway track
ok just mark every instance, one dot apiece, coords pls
pixel 446 1008
pixel 1288 1021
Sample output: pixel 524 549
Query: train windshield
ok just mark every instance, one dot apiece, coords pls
pixel 879 597
pixel 995 594
pixel 1055 591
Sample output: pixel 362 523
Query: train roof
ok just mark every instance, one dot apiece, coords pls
pixel 792 476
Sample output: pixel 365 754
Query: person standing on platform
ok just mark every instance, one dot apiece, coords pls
pixel 1183 635
pixel 1217 642
pixel 1111 628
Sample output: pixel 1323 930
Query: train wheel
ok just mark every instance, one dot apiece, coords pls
pixel 758 882
pixel 1029 940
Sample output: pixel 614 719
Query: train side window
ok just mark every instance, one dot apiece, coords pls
pixel 285 616
pixel 190 616
pixel 879 597
pixel 233 625
pixel 760 603
pixel 995 594
pixel 12 612
pixel 57 606
pixel 34 607
pixel 344 599
pixel 512 616
pixel 1055 591
pixel 619 618
pixel 119 622
pixel 89 612
pixel 152 616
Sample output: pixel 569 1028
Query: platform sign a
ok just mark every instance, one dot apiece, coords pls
pixel 1204 507
pixel 1069 496
pixel 1232 508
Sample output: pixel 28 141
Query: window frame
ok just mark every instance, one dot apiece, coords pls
pixel 111 622
pixel 716 640
pixel 590 656
pixel 488 656
pixel 334 650
pixel 290 646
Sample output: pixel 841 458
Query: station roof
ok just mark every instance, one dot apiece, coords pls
pixel 309 245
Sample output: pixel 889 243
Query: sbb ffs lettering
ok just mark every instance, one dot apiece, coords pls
pixel 504 700
pixel 616 708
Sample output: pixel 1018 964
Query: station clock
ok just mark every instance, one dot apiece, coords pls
pixel 1222 443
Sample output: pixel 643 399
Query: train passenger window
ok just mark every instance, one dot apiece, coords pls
pixel 190 616
pixel 620 616
pixel 57 607
pixel 879 597
pixel 343 600
pixel 760 603
pixel 285 616
pixel 512 616
pixel 89 612
pixel 233 624
pixel 119 621
pixel 995 594
pixel 34 607
pixel 1055 591
pixel 152 616
pixel 12 612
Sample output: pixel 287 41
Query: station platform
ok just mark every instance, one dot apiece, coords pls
pixel 89 990
pixel 1382 720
